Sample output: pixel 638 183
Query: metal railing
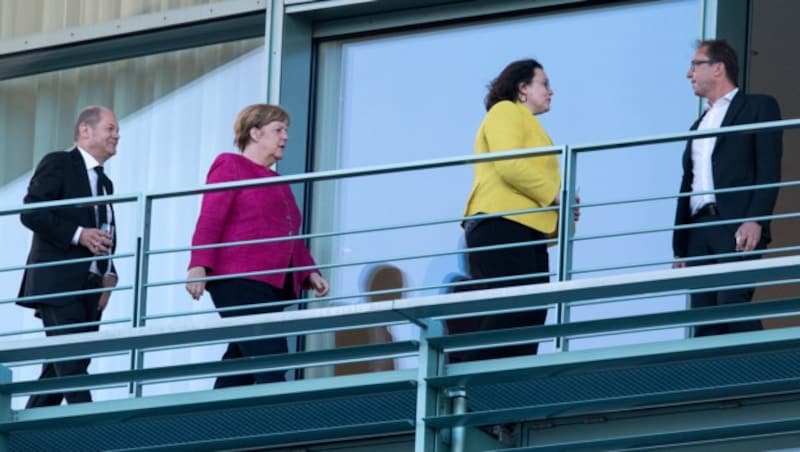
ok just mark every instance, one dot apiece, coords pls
pixel 420 311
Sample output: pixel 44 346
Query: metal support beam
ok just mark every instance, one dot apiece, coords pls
pixel 458 402
pixel 734 422
pixel 140 35
pixel 342 17
pixel 6 413
pixel 110 411
pixel 426 438
pixel 273 32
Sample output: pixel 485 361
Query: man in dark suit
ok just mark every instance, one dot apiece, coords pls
pixel 71 233
pixel 725 162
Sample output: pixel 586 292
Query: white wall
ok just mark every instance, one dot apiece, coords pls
pixel 166 145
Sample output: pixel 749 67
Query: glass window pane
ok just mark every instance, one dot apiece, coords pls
pixel 616 72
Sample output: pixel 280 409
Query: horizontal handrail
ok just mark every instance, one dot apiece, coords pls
pixel 688 260
pixel 207 369
pixel 420 309
pixel 329 299
pixel 689 135
pixel 62 294
pixel 356 263
pixel 67 262
pixel 387 312
pixel 473 158
pixel 643 322
pixel 71 202
pixel 97 323
pixel 317 235
pixel 362 171
pixel 690 194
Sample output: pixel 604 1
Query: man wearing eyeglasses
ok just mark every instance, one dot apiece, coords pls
pixel 725 162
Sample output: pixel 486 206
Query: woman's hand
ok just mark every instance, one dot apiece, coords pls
pixel 576 210
pixel 196 288
pixel 319 284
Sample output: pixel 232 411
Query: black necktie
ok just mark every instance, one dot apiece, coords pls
pixel 102 212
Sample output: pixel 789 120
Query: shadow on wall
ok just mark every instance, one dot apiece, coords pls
pixel 374 278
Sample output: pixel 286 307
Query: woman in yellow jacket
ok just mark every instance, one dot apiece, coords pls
pixel 516 96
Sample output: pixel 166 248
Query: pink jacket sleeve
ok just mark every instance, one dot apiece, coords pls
pixel 301 256
pixel 214 212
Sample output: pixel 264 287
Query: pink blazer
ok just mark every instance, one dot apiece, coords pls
pixel 247 214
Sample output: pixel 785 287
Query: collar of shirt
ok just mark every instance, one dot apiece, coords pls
pixel 88 160
pixel 724 100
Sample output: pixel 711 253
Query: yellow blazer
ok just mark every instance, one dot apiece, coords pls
pixel 515 184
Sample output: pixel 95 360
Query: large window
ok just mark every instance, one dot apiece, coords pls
pixel 617 71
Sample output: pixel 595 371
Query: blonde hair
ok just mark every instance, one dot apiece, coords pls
pixel 256 115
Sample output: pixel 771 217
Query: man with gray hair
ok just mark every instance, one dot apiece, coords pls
pixel 70 233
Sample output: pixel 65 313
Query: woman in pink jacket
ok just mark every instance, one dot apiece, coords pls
pixel 261 133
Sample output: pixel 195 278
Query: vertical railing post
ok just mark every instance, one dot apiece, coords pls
pixel 5 406
pixel 458 405
pixel 145 204
pixel 273 31
pixel 566 228
pixel 426 438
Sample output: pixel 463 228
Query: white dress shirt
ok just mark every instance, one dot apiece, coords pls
pixel 703 148
pixel 91 163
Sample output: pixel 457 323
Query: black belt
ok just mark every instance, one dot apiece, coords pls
pixel 708 210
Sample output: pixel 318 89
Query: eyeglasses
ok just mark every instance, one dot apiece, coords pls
pixel 545 83
pixel 694 63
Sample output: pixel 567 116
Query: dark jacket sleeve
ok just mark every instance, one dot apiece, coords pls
pixel 47 184
pixel 680 238
pixel 767 159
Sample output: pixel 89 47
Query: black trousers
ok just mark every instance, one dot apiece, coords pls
pixel 520 260
pixel 80 309
pixel 242 292
pixel 716 240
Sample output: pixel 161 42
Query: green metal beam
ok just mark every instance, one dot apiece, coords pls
pixel 512 369
pixel 141 35
pixel 228 398
pixel 227 367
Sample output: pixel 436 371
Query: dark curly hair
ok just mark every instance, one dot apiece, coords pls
pixel 506 85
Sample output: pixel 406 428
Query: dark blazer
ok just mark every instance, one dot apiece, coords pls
pixel 59 175
pixel 738 160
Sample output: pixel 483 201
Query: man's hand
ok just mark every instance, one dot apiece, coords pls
pixel 109 281
pixel 747 236
pixel 196 288
pixel 319 284
pixel 97 241
pixel 678 264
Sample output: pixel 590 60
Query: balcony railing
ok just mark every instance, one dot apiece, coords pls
pixel 417 395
